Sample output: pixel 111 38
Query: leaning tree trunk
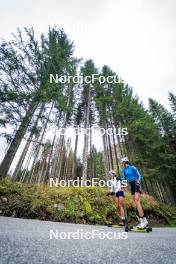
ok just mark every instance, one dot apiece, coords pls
pixel 26 148
pixel 115 151
pixel 8 159
pixel 37 151
pixel 47 172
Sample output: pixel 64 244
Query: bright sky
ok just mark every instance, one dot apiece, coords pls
pixel 137 39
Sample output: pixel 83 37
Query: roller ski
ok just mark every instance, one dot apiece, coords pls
pixel 143 226
pixel 114 226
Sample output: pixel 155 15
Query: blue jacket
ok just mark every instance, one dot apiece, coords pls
pixel 131 173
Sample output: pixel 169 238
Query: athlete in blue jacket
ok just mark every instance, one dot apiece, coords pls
pixel 134 178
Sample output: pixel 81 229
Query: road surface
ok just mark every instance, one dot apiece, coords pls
pixel 33 241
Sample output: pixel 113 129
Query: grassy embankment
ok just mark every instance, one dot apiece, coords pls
pixel 88 205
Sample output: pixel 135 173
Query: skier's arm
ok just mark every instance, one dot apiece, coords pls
pixel 123 180
pixel 123 176
pixel 138 175
pixel 110 187
pixel 117 186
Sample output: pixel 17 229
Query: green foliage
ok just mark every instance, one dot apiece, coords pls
pixel 150 143
pixel 167 126
pixel 172 99
pixel 162 117
pixel 89 205
pixel 97 163
pixel 25 67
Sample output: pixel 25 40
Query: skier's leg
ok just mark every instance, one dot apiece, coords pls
pixel 119 204
pixel 137 200
pixel 142 219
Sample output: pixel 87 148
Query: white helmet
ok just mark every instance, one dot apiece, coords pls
pixel 111 173
pixel 125 159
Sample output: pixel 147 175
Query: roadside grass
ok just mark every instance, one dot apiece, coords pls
pixel 86 205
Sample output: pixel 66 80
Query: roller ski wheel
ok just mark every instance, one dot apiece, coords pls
pixel 126 229
pixel 148 229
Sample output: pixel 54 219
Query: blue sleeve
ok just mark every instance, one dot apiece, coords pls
pixel 137 173
pixel 123 176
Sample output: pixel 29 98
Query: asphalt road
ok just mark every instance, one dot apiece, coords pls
pixel 33 241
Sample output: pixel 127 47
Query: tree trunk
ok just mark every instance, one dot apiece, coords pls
pixel 8 159
pixel 37 151
pixel 110 150
pixel 105 157
pixel 74 158
pixel 26 148
pixel 86 138
pixel 57 168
